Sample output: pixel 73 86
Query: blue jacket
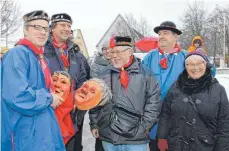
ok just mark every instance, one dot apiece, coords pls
pixel 28 121
pixel 165 77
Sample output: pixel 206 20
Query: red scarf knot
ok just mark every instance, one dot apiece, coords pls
pixel 124 77
pixel 164 61
pixel 63 47
pixel 43 62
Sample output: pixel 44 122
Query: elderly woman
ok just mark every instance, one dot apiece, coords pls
pixel 195 113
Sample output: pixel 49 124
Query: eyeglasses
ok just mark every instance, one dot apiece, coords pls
pixel 39 28
pixel 118 52
pixel 198 64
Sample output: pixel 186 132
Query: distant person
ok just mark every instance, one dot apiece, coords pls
pixel 197 42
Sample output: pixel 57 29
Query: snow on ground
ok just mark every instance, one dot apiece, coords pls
pixel 224 80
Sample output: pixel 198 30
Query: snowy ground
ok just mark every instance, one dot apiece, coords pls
pixel 224 80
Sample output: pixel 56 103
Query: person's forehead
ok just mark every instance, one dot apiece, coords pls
pixel 105 48
pixel 165 31
pixel 194 58
pixel 92 83
pixel 63 22
pixel 39 22
pixel 121 48
pixel 61 76
pixel 117 47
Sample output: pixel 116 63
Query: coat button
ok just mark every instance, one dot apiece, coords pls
pixel 182 118
pixel 192 139
pixel 193 121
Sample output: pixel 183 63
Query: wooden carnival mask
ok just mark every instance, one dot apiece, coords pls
pixel 61 85
pixel 88 95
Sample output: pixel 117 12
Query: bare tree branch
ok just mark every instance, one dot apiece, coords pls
pixel 10 17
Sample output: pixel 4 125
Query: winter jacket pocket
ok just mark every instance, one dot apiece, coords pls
pixel 205 139
pixel 125 121
pixel 174 132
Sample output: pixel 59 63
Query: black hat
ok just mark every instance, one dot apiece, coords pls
pixel 123 41
pixel 35 15
pixel 61 17
pixel 167 25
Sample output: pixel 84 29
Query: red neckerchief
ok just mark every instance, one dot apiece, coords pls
pixel 43 63
pixel 63 47
pixel 124 77
pixel 164 61
pixel 64 118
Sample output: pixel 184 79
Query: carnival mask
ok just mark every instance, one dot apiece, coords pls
pixel 61 85
pixel 88 95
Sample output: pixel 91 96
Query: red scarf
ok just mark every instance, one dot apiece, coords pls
pixel 64 118
pixel 124 77
pixel 43 63
pixel 63 47
pixel 164 61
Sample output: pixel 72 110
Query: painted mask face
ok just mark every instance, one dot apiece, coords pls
pixel 88 95
pixel 61 85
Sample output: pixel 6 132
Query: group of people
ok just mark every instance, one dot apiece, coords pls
pixel 169 100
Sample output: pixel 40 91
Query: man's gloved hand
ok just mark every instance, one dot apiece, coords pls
pixel 163 144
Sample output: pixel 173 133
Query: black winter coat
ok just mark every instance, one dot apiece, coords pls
pixel 205 128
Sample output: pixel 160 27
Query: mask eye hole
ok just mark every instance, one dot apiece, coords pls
pixel 92 90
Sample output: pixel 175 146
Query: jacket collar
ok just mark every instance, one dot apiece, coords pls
pixel 50 45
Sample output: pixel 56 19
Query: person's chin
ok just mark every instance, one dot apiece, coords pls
pixel 65 38
pixel 117 66
pixel 195 76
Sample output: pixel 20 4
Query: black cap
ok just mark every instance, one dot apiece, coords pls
pixel 167 25
pixel 123 41
pixel 61 17
pixel 35 15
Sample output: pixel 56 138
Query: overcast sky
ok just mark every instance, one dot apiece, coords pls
pixel 94 17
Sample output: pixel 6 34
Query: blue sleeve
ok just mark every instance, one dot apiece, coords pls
pixel 18 91
pixel 145 60
pixel 213 70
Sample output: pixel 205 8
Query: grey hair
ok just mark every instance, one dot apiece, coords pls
pixel 53 25
pixel 106 91
pixel 65 74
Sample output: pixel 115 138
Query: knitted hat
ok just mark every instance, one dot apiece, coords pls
pixel 201 53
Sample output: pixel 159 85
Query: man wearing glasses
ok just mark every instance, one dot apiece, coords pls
pixel 64 55
pixel 29 122
pixel 124 123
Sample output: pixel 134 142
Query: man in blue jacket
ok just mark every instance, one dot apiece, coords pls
pixel 165 62
pixel 28 118
pixel 64 55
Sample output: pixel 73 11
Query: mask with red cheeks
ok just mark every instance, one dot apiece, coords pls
pixel 88 95
pixel 61 85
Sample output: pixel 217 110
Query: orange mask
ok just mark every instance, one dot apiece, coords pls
pixel 88 95
pixel 61 85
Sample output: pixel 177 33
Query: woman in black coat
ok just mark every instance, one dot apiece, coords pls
pixel 195 113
